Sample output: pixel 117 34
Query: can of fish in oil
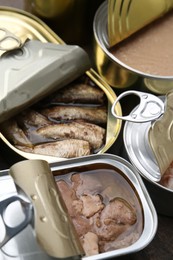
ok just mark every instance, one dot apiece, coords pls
pixel 141 54
pixel 89 100
pixel 91 188
pixel 148 147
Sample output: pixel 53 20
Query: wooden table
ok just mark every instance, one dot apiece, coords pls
pixel 161 248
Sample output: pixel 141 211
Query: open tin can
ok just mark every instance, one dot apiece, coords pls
pixel 28 27
pixel 112 180
pixel 122 64
pixel 148 145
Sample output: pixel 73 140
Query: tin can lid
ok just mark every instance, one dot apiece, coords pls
pixel 139 151
pixel 40 67
pixel 53 227
pixel 127 17
pixel 36 70
pixel 160 136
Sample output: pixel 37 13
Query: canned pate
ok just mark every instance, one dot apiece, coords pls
pixel 141 54
pixel 91 188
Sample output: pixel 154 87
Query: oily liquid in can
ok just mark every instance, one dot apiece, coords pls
pixel 90 194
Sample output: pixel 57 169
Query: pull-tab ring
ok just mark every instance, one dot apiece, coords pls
pixel 150 107
pixel 12 231
pixel 9 41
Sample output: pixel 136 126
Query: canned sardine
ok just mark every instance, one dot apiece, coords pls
pixel 82 114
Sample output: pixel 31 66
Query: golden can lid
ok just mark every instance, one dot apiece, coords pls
pixel 127 17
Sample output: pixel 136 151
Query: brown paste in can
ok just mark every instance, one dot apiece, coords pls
pixel 150 49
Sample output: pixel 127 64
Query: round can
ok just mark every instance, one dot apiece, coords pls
pixel 142 158
pixel 25 25
pixel 117 73
pixel 71 19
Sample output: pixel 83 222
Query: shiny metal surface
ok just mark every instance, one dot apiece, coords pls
pixel 150 107
pixel 23 246
pixel 53 228
pixel 26 25
pixel 35 58
pixel 118 74
pixel 8 40
pixel 136 143
pixel 107 65
pixel 127 17
pixel 11 231
pixel 140 154
pixel 161 136
pixel 150 216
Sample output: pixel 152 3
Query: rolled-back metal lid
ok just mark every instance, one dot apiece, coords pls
pixel 150 148
pixel 161 136
pixel 127 17
pixel 140 154
pixel 53 227
pixel 37 68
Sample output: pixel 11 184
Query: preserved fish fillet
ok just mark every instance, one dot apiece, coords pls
pixel 14 133
pixel 94 134
pixel 97 115
pixel 79 93
pixel 64 149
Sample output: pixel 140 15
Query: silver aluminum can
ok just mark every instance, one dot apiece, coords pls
pixel 139 152
pixel 17 246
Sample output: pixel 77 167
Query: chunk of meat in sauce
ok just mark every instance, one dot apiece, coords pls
pixel 118 211
pixel 90 243
pixel 115 219
pixel 99 225
pixel 68 194
pixel 91 204
pixel 74 206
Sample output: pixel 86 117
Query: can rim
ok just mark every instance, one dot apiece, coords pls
pixel 111 96
pixel 101 36
pixel 150 215
pixel 132 153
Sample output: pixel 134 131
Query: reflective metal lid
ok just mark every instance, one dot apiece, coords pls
pixel 36 70
pixel 161 136
pixel 137 146
pixel 127 17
